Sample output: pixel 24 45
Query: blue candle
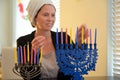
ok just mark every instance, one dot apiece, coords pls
pixel 38 56
pixel 18 51
pixel 76 38
pixel 21 54
pixel 95 35
pixel 57 36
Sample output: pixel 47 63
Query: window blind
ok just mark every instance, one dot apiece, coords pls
pixel 116 37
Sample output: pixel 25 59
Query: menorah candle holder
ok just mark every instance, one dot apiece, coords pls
pixel 27 71
pixel 29 65
pixel 76 60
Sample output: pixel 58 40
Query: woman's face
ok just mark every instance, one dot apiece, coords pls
pixel 46 17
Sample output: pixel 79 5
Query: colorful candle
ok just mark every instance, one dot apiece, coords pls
pixel 31 56
pixel 95 35
pixel 57 36
pixel 61 35
pixel 77 35
pixel 34 56
pixel 24 55
pixel 70 35
pixel 90 37
pixel 21 53
pixel 18 51
pixel 15 55
pixel 66 37
pixel 28 53
pixel 40 55
pixel 82 35
pixel 86 37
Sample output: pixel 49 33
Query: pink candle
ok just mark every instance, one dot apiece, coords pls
pixel 34 56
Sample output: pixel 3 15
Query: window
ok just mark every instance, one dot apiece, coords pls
pixel 23 25
pixel 114 37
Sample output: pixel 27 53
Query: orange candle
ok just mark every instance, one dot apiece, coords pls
pixel 82 35
pixel 28 53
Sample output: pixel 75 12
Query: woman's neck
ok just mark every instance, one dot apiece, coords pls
pixel 44 33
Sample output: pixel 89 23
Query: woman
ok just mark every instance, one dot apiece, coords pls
pixel 41 14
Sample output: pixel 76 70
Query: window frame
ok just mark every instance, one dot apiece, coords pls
pixel 109 41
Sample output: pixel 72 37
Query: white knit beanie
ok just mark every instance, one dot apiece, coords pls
pixel 33 8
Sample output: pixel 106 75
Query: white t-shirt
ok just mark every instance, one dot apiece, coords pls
pixel 49 66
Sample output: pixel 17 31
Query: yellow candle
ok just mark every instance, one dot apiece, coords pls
pixel 15 55
pixel 70 35
pixel 40 55
pixel 28 51
pixel 82 35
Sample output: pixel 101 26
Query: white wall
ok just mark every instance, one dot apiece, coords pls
pixel 6 23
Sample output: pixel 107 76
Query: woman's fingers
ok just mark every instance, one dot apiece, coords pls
pixel 80 33
pixel 38 42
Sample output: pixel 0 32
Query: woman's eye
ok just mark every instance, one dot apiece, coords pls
pixel 53 15
pixel 45 14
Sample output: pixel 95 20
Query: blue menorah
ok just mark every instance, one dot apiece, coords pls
pixel 76 60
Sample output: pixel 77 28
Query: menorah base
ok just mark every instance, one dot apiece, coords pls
pixel 27 71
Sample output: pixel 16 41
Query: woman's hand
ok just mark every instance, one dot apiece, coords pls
pixel 38 42
pixel 84 27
